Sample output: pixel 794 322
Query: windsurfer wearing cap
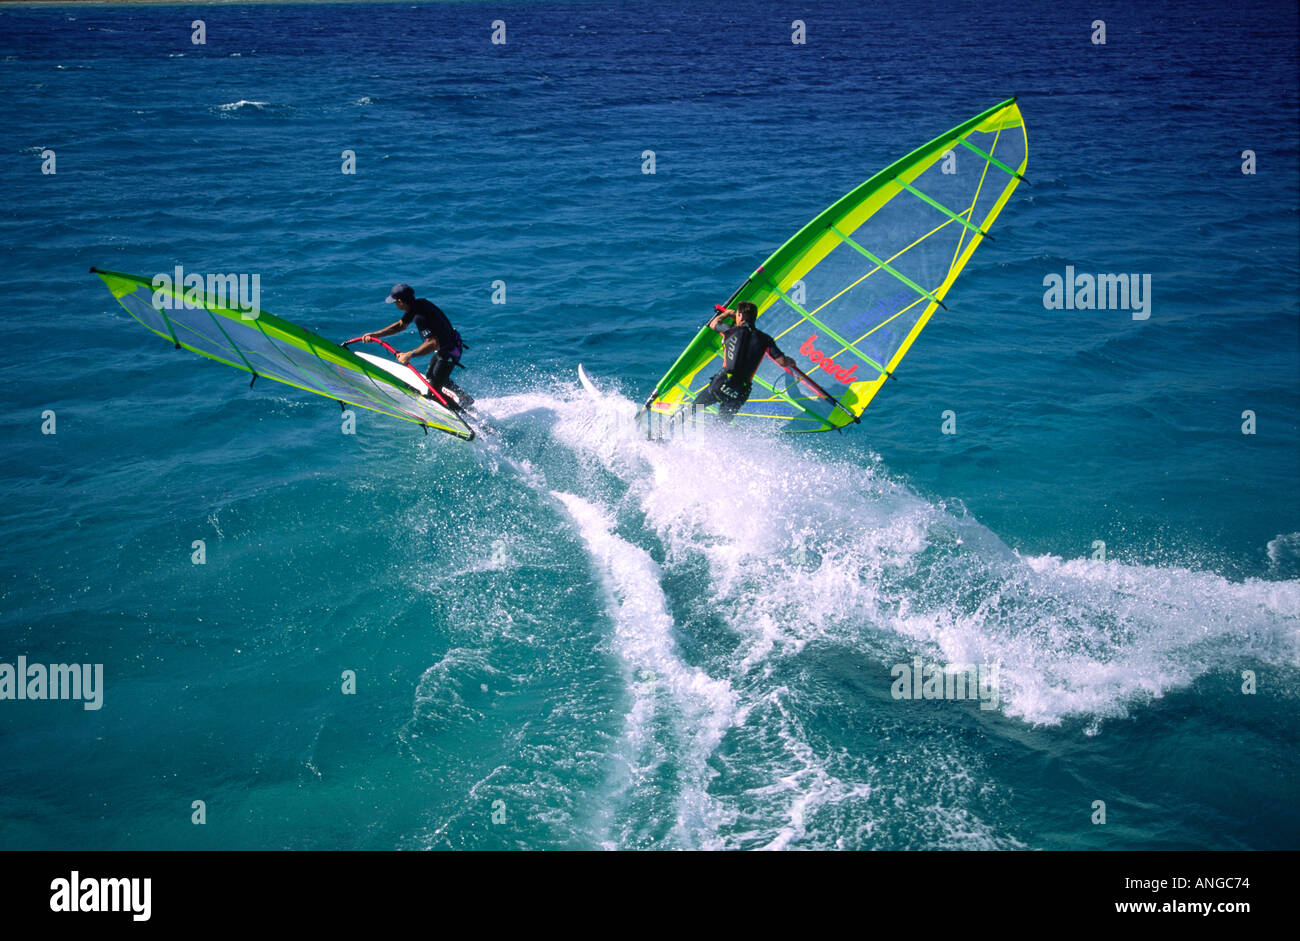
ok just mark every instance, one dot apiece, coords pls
pixel 743 349
pixel 440 338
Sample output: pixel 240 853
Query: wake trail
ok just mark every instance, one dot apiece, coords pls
pixel 804 547
pixel 664 688
pixel 677 714
pixel 782 550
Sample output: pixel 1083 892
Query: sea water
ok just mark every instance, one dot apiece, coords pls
pixel 563 635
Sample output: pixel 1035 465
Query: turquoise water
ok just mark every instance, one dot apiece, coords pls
pixel 630 644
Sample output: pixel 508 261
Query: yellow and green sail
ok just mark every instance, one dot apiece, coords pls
pixel 849 293
pixel 271 348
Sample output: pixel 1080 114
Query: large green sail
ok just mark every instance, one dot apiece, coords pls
pixel 850 292
pixel 272 348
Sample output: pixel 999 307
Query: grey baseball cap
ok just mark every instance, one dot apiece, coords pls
pixel 403 291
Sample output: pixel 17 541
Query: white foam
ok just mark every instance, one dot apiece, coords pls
pixel 701 707
pixel 242 104
pixel 801 545
pixel 1284 552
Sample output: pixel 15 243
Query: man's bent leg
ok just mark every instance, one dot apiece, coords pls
pixel 724 396
pixel 440 378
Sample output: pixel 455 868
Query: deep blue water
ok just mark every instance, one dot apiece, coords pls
pixel 630 644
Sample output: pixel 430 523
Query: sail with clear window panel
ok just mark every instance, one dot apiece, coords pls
pixel 848 295
pixel 269 347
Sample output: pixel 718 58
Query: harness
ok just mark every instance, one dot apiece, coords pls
pixel 459 348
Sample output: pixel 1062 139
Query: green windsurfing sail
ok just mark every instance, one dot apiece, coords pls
pixel 847 296
pixel 272 348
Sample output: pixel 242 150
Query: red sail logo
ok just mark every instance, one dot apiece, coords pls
pixel 828 365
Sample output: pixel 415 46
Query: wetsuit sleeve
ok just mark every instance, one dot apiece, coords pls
pixel 407 318
pixel 773 350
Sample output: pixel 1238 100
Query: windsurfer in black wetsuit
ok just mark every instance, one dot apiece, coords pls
pixel 743 348
pixel 440 338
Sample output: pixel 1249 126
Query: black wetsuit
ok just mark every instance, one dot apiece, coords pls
pixel 433 324
pixel 743 348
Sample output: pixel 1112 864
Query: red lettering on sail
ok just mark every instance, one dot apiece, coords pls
pixel 828 365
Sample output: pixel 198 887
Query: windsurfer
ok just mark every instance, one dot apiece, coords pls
pixel 743 348
pixel 440 338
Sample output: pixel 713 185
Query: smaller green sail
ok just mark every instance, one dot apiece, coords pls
pixel 271 348
pixel 850 292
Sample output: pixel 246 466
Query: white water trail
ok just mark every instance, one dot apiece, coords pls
pixel 797 548
pixel 678 714
pixel 802 546
pixel 662 685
